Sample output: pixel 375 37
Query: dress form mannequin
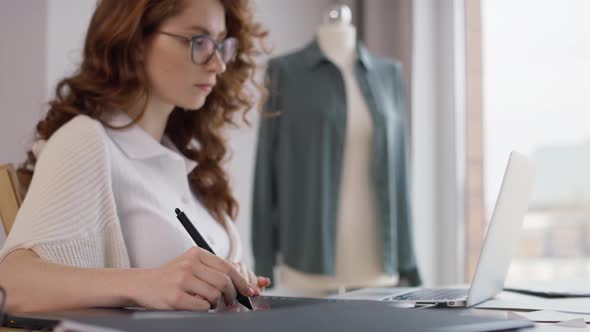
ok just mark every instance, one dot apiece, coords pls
pixel 337 36
pixel 359 261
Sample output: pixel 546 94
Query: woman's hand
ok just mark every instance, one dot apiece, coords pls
pixel 258 284
pixel 196 280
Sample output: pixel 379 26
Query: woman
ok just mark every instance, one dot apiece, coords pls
pixel 158 81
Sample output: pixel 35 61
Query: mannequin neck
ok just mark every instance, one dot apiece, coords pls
pixel 338 42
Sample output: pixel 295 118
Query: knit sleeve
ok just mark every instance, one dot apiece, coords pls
pixel 69 214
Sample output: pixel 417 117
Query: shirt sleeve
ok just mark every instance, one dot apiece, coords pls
pixel 265 207
pixel 408 267
pixel 69 214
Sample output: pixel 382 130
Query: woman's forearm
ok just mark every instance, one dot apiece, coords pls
pixel 35 285
pixel 195 280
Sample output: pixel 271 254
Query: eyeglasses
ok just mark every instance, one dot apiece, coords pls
pixel 203 47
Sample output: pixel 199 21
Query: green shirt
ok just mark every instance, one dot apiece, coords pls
pixel 299 163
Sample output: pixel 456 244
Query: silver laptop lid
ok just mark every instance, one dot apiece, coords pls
pixel 503 230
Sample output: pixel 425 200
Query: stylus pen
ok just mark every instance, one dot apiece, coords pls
pixel 200 241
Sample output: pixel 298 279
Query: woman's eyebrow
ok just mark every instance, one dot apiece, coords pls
pixel 206 31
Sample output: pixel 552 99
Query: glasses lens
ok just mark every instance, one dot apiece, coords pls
pixel 202 49
pixel 229 50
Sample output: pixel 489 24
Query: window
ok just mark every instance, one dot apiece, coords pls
pixel 536 99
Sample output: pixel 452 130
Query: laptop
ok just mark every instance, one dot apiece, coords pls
pixel 495 256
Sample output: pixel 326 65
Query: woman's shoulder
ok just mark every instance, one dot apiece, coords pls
pixel 81 125
pixel 81 130
pixel 81 133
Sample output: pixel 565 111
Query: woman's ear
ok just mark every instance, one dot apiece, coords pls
pixel 141 53
pixel 143 47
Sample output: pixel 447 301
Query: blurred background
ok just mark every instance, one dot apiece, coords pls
pixel 483 77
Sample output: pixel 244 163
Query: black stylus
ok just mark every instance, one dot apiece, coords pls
pixel 200 241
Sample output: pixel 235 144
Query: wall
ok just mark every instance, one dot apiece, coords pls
pixel 22 74
pixel 67 22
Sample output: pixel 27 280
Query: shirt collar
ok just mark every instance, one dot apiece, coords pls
pixel 136 143
pixel 314 55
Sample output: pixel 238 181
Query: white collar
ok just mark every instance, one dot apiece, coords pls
pixel 136 143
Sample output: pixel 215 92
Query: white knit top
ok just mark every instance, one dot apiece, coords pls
pixel 105 197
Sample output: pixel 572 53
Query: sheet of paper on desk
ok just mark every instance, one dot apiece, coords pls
pixel 550 316
pixel 557 328
pixel 69 326
pixel 515 301
pixel 578 322
pixel 554 288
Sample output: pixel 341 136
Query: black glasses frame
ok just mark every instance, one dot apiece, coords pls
pixel 219 46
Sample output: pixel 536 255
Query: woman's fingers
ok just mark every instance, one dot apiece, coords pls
pixel 204 290
pixel 244 271
pixel 184 301
pixel 219 281
pixel 257 283
pixel 253 283
pixel 228 269
pixel 263 282
pixel 196 280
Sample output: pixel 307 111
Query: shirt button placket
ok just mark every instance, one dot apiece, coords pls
pixel 185 199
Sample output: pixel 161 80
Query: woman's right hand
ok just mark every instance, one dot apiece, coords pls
pixel 197 280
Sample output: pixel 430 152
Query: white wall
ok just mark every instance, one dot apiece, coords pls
pixel 22 74
pixel 67 22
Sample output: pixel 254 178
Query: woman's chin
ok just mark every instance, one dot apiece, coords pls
pixel 190 109
pixel 192 106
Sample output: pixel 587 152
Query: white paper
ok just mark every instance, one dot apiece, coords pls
pixel 578 322
pixel 550 316
pixel 566 286
pixel 516 315
pixel 515 301
pixel 70 326
pixel 557 328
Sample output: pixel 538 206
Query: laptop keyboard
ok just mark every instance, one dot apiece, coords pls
pixel 427 294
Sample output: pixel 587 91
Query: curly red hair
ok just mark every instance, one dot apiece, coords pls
pixel 111 77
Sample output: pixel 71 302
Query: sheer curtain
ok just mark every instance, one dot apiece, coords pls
pixel 387 29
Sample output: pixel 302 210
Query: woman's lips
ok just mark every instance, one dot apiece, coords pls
pixel 204 87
